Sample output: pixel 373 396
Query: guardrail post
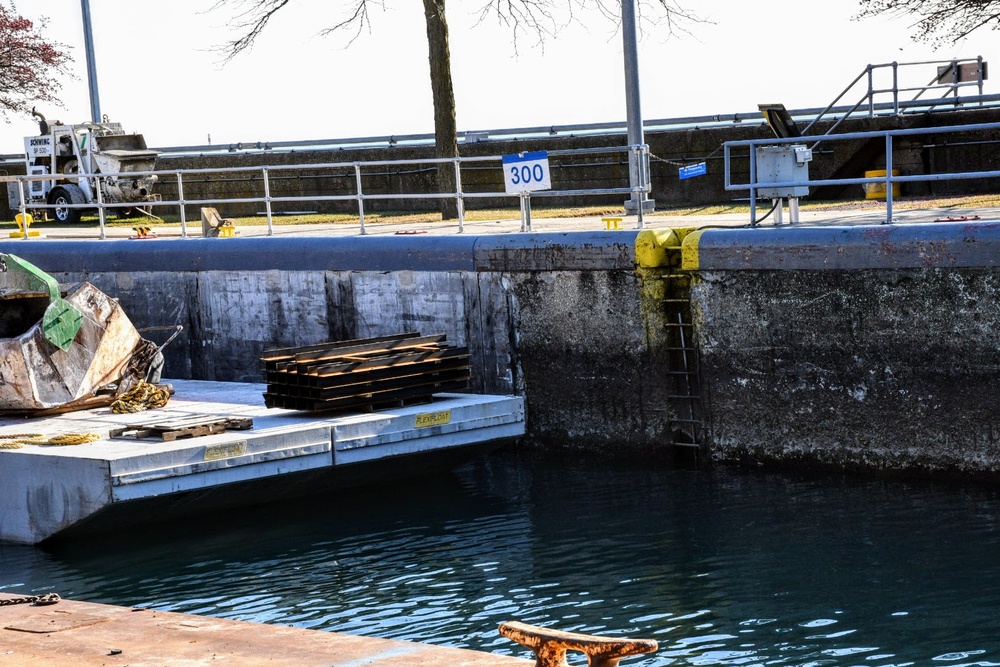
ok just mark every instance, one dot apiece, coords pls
pixel 895 88
pixel 361 197
pixel 23 207
pixel 979 72
pixel 525 212
pixel 888 179
pixel 753 184
pixel 267 202
pixel 642 159
pixel 101 214
pixel 459 198
pixel 871 93
pixel 180 202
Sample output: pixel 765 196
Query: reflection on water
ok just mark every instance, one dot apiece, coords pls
pixel 723 568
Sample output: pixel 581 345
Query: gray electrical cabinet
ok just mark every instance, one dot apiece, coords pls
pixel 782 164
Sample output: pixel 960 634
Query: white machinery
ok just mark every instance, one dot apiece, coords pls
pixel 88 157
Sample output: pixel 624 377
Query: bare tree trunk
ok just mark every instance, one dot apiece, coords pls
pixel 445 128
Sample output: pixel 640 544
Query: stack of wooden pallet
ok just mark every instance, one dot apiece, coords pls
pixel 364 374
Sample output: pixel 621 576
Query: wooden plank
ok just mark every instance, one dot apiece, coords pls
pixel 342 347
pixel 332 369
pixel 331 374
pixel 363 375
pixel 181 427
pixel 347 381
pixel 374 346
pixel 366 402
pixel 385 384
pixel 287 352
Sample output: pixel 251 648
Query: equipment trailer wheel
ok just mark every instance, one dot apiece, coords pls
pixel 66 195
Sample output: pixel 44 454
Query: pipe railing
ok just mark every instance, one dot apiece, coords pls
pixel 268 173
pixel 754 184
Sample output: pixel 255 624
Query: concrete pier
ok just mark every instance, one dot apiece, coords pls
pixel 47 491
pixel 85 634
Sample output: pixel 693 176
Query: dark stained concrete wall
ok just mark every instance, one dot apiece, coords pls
pixel 872 348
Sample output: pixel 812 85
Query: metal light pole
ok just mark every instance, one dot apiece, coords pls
pixel 633 112
pixel 88 39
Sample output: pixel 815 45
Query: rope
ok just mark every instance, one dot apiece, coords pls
pixel 47 598
pixel 143 396
pixel 19 440
pixel 72 439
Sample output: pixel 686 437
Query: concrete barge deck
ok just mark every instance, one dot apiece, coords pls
pixel 85 634
pixel 49 491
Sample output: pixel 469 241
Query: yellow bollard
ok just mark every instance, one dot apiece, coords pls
pixel 611 223
pixel 23 222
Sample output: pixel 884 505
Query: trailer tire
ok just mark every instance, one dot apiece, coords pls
pixel 65 195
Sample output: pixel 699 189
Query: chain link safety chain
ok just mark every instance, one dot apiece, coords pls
pixel 143 396
pixel 685 161
pixel 39 600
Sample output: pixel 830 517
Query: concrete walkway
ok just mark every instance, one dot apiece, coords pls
pixel 865 214
pixel 85 634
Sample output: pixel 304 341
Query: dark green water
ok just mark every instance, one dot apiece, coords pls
pixel 722 568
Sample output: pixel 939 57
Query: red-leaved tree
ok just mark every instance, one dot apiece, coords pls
pixel 30 65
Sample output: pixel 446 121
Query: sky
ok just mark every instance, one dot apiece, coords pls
pixel 159 71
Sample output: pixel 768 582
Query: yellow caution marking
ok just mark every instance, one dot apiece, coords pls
pixel 689 251
pixel 438 418
pixel 652 247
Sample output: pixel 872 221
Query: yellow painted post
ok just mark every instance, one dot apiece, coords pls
pixel 23 223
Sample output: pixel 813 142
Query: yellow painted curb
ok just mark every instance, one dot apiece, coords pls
pixel 689 250
pixel 652 245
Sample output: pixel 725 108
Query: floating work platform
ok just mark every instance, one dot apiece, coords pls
pixel 215 446
pixel 85 634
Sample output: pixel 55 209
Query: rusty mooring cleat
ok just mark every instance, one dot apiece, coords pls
pixel 550 646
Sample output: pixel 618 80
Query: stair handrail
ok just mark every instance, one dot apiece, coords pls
pixel 953 66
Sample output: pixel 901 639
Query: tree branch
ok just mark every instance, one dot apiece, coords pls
pixel 938 22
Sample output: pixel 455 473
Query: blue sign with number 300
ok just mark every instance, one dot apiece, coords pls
pixel 525 172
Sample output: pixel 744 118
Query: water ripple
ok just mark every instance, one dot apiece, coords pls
pixel 722 568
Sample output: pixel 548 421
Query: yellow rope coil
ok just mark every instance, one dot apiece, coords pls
pixel 143 396
pixel 72 439
pixel 18 440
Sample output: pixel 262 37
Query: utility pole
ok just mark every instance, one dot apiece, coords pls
pixel 633 113
pixel 88 40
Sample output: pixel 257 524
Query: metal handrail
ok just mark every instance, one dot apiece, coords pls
pixel 898 104
pixel 638 152
pixel 753 184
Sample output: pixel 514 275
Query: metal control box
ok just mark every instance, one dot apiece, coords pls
pixel 782 164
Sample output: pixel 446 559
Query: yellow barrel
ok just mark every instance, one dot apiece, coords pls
pixel 877 190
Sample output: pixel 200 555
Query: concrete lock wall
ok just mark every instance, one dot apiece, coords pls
pixel 867 348
pixel 873 348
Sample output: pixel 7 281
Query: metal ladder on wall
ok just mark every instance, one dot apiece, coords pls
pixel 687 427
